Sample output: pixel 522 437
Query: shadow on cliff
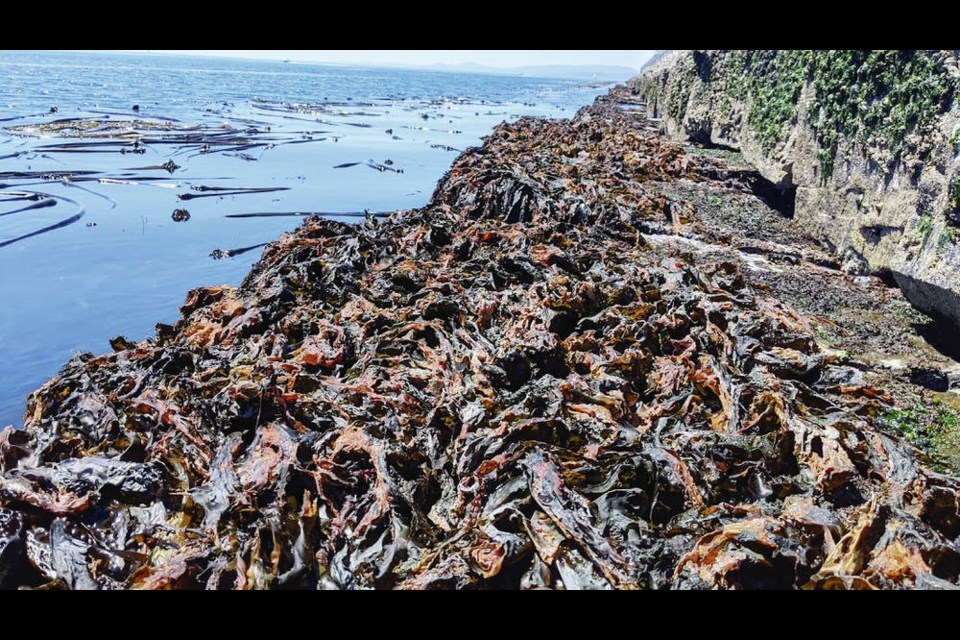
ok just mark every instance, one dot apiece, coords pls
pixel 941 334
pixel 781 199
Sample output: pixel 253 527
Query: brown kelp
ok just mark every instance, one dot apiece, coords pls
pixel 513 387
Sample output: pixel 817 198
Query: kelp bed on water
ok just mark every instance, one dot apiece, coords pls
pixel 509 388
pixel 272 125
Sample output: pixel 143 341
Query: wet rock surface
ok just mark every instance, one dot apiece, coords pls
pixel 572 369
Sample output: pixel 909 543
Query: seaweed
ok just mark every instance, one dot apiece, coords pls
pixel 514 386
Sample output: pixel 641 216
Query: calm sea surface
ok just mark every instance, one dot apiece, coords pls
pixel 89 248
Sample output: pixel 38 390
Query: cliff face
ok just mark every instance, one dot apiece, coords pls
pixel 864 141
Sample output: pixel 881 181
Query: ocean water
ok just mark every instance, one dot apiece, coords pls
pixel 89 245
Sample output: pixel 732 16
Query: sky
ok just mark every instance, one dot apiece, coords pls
pixel 502 58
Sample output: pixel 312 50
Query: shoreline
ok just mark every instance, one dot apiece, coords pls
pixel 595 359
pixel 129 236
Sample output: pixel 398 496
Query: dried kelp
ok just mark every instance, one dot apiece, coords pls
pixel 510 388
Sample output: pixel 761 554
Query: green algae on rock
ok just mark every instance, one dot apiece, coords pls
pixel 884 100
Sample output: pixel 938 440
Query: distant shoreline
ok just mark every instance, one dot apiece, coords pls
pixel 599 73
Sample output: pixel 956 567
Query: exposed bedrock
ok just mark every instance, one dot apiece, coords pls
pixel 868 140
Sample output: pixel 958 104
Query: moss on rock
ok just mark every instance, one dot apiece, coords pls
pixel 884 101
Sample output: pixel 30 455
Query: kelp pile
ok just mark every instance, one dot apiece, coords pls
pixel 509 388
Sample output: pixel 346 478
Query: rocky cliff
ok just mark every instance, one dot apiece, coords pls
pixel 862 144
